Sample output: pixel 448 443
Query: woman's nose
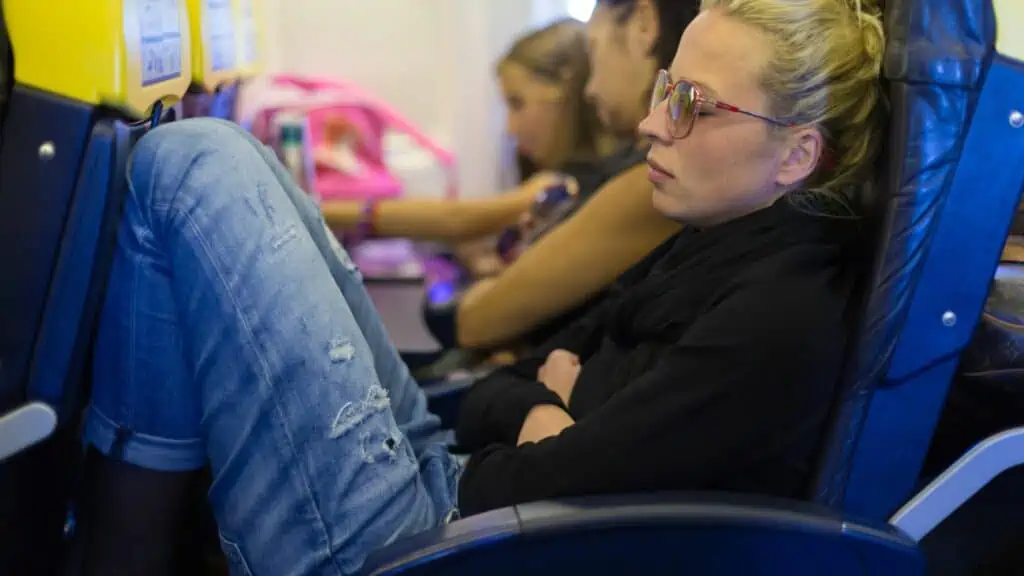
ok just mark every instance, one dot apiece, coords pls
pixel 655 124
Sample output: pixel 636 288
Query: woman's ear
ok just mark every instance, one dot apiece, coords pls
pixel 804 151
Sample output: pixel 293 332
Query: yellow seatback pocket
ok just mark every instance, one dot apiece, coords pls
pixel 126 54
pixel 250 18
pixel 214 43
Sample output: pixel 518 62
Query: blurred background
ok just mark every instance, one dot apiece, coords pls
pixel 433 61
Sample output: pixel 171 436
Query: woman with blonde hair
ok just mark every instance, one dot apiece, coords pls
pixel 236 334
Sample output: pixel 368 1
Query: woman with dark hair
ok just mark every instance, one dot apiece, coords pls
pixel 554 280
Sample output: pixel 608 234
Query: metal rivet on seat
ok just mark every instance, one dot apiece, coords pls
pixel 1016 119
pixel 948 318
pixel 47 150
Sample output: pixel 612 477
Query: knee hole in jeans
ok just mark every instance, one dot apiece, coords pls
pixel 383 443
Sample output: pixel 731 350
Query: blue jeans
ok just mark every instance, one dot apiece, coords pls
pixel 237 333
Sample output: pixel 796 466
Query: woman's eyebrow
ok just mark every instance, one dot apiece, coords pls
pixel 709 91
pixel 704 86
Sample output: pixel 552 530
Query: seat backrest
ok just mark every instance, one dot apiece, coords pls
pixel 66 135
pixel 218 60
pixel 214 31
pixel 250 26
pixel 951 182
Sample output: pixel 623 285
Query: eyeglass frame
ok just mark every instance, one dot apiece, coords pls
pixel 699 99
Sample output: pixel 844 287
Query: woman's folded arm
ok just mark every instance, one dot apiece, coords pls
pixel 745 382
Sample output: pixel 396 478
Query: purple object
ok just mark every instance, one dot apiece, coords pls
pixel 550 199
pixel 399 259
pixel 547 204
pixel 387 259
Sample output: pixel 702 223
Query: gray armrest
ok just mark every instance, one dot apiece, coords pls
pixel 655 534
pixel 24 427
pixel 960 482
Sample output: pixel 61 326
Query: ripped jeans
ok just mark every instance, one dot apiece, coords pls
pixel 237 333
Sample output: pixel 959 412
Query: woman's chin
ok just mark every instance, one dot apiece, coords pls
pixel 664 203
pixel 672 206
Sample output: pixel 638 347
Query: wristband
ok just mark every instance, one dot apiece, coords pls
pixel 368 219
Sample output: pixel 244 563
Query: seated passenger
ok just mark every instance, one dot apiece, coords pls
pixel 237 334
pixel 542 78
pixel 555 280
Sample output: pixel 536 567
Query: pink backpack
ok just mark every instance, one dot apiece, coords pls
pixel 324 102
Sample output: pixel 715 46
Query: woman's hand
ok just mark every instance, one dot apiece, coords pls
pixel 559 373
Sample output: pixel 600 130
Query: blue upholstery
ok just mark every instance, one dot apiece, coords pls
pixel 656 534
pixel 67 209
pixel 951 182
pixel 61 190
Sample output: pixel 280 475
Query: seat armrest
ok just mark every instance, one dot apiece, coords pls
pixel 655 534
pixel 418 361
pixel 25 427
pixel 961 481
pixel 421 550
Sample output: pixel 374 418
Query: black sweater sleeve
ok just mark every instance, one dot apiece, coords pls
pixel 494 408
pixel 753 375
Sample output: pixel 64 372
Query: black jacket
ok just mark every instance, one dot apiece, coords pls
pixel 710 366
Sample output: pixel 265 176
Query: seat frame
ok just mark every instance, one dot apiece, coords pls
pixel 971 223
pixel 64 185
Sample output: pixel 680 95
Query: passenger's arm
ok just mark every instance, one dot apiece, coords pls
pixel 751 378
pixel 442 220
pixel 615 229
pixel 493 409
pixel 543 422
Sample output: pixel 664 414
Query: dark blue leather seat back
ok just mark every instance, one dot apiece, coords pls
pixel 951 179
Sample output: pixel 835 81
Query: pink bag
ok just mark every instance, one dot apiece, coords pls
pixel 325 102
